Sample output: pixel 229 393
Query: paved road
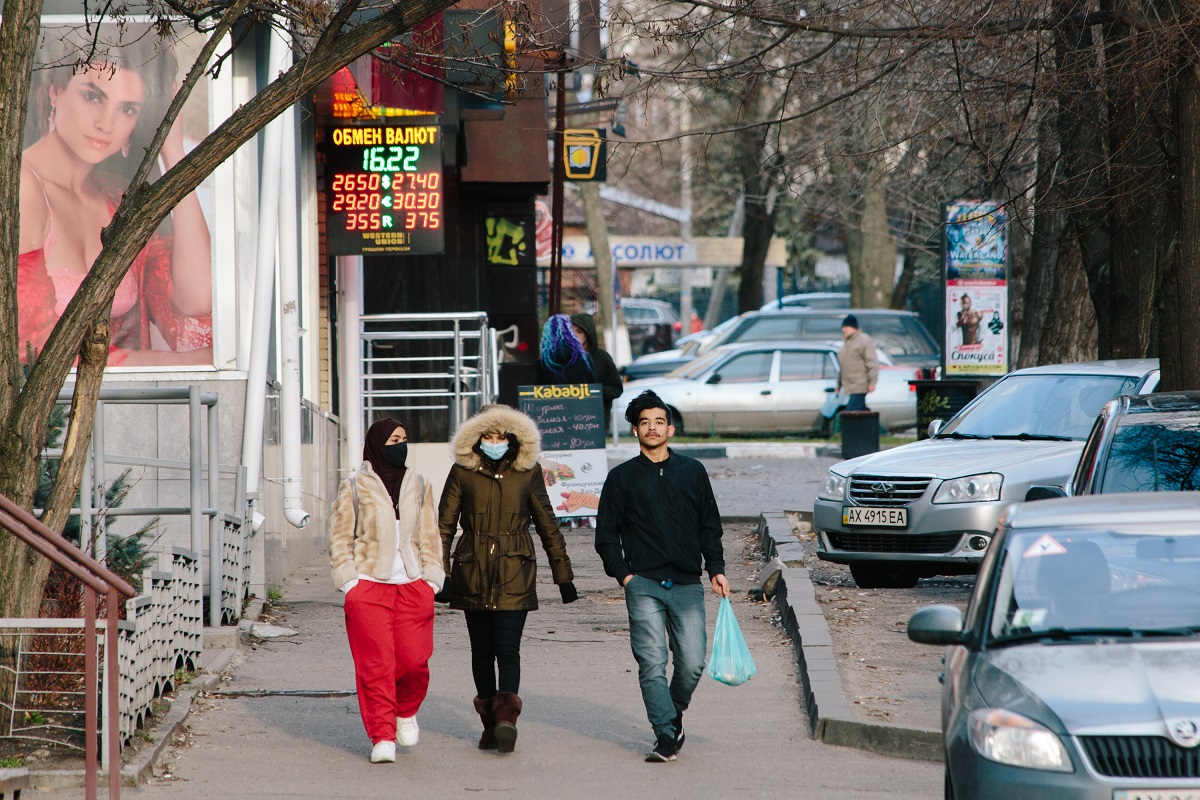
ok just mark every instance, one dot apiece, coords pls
pixel 583 732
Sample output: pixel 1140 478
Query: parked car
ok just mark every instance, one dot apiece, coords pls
pixel 653 324
pixel 929 508
pixel 686 349
pixel 1147 443
pixel 810 300
pixel 900 334
pixel 766 387
pixel 1072 674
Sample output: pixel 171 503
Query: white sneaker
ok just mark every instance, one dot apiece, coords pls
pixel 407 731
pixel 383 752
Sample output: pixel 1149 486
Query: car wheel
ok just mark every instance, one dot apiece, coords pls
pixel 676 420
pixel 883 576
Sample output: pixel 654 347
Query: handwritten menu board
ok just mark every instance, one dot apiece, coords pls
pixel 574 462
pixel 569 417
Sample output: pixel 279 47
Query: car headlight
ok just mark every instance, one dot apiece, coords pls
pixel 1009 738
pixel 971 489
pixel 833 487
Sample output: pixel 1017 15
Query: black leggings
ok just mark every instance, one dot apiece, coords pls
pixel 496 640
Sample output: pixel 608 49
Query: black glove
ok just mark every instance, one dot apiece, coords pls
pixel 446 594
pixel 568 592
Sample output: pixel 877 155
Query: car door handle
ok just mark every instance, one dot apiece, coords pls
pixel 765 391
pixel 942 677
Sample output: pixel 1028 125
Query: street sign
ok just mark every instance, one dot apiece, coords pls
pixel 383 190
pixel 585 153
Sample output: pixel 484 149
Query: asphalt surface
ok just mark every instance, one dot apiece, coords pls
pixel 583 732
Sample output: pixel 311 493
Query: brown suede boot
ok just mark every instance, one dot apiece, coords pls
pixel 506 707
pixel 484 708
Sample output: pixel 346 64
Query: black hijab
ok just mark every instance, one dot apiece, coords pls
pixel 376 438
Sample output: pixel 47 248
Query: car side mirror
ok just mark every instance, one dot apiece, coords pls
pixel 714 379
pixel 1045 492
pixel 936 625
pixel 934 427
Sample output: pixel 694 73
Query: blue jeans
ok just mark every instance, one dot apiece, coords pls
pixel 856 402
pixel 658 618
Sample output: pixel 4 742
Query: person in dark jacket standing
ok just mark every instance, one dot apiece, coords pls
pixel 494 490
pixel 602 363
pixel 658 519
pixel 562 357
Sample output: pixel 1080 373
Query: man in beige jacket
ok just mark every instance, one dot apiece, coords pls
pixel 859 365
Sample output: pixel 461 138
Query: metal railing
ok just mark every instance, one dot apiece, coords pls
pixel 434 370
pixel 97 581
pixel 227 570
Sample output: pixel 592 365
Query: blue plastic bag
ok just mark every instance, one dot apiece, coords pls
pixel 731 661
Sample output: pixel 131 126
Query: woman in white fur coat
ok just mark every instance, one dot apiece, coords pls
pixel 385 555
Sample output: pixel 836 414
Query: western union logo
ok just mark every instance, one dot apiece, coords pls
pixel 583 153
pixel 577 391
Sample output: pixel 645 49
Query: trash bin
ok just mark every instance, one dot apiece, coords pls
pixel 860 433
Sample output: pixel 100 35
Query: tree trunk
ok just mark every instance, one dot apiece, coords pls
pixel 865 231
pixel 1048 221
pixel 904 284
pixel 1139 221
pixel 1083 182
pixel 1179 330
pixel 1070 331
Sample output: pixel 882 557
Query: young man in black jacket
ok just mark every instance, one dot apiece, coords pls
pixel 658 519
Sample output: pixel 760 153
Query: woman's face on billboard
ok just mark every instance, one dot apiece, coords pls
pixel 96 112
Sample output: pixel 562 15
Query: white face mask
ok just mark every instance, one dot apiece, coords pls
pixel 494 451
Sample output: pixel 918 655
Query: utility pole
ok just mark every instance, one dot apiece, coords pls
pixel 685 203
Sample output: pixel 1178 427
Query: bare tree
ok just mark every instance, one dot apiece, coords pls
pixel 328 37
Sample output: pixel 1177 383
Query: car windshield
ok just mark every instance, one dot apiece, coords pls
pixel 1066 584
pixel 1038 407
pixel 1155 453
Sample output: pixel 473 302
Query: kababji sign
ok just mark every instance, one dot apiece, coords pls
pixel 383 190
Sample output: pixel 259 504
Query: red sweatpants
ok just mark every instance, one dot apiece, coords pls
pixel 391 639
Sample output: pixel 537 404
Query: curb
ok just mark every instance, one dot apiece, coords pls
pixel 829 716
pixel 140 768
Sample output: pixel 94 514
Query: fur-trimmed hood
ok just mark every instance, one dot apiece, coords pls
pixel 498 418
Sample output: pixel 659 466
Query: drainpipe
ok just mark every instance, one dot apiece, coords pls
pixel 260 331
pixel 289 304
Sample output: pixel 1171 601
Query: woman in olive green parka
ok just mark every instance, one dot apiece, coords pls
pixel 494 491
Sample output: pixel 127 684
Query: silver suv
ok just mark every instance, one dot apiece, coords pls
pixel 900 334
pixel 930 507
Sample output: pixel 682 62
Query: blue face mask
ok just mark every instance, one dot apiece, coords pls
pixel 494 451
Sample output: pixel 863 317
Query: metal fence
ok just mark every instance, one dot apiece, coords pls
pixel 44 659
pixel 430 370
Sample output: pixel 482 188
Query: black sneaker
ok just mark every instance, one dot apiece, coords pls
pixel 664 750
pixel 679 737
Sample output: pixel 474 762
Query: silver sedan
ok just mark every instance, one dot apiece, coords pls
pixel 767 387
pixel 929 508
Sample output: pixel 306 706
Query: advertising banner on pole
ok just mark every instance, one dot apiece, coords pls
pixel 976 275
pixel 574 463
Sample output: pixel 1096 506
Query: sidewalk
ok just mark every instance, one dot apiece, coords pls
pixel 583 733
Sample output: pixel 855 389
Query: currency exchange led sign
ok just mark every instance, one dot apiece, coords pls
pixel 383 190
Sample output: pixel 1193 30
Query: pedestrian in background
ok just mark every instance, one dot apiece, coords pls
pixel 603 365
pixel 859 365
pixel 563 358
pixel 658 520
pixel 385 555
pixel 494 490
